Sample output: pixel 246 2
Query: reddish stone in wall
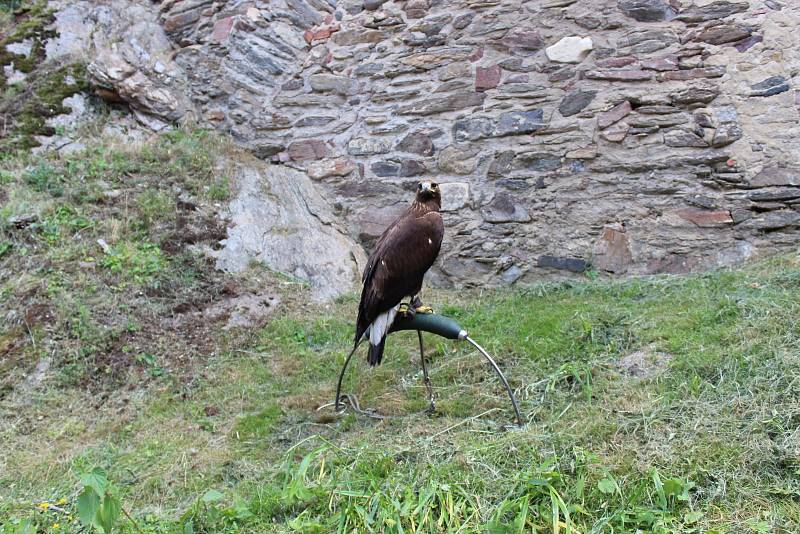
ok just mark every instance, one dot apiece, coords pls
pixel 477 54
pixel 707 219
pixel 607 118
pixel 416 9
pixel 308 149
pixel 673 264
pixel 487 77
pixel 320 33
pixel 221 29
pixel 615 62
pixel 612 251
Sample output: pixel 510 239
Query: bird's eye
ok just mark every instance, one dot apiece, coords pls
pixel 419 186
pixel 434 185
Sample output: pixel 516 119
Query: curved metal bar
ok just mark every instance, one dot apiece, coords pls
pixel 502 378
pixel 341 376
pixel 428 386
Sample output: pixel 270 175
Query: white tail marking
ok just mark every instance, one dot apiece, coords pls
pixel 380 326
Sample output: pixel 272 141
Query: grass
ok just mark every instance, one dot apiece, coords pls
pixel 203 429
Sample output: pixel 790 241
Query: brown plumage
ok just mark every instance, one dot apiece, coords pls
pixel 398 263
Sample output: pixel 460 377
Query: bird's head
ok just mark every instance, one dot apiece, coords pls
pixel 427 192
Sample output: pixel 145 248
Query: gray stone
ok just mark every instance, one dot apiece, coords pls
pixel 501 163
pixel 367 146
pixel 456 160
pixel 519 122
pixel 385 168
pixel 575 101
pixel 412 167
pixel 714 11
pixel 693 95
pixel 473 129
pixel 537 162
pixel 330 167
pixel 726 134
pixel 574 265
pixel 462 21
pixel 775 175
pixel 511 275
pixel 331 83
pixel 620 75
pixel 503 209
pixel 279 219
pixel 455 195
pixel 771 86
pixel 679 137
pixel 431 106
pixel 416 143
pixel 724 33
pixel 647 10
pixel 773 220
pixel 523 38
pixel 716 71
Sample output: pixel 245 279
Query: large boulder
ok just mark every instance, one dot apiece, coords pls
pixel 278 218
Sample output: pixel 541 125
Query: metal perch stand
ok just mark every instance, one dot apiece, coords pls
pixel 435 324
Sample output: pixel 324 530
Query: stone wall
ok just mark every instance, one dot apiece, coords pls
pixel 629 136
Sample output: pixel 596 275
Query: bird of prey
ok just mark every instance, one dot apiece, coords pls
pixel 395 269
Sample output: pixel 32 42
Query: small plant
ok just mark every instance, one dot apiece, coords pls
pixel 220 190
pixel 137 262
pixel 149 361
pixel 99 505
pixel 209 514
pixel 154 206
pixel 45 178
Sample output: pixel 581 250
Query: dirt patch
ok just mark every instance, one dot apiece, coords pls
pixel 644 363
pixel 246 309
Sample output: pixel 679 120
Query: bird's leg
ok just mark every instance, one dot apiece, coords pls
pixel 407 310
pixel 416 303
pixel 428 386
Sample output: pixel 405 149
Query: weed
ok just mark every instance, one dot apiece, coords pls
pixel 139 263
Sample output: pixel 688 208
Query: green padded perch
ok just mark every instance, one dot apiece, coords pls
pixel 441 326
pixel 430 322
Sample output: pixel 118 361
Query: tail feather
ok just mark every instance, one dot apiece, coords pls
pixel 375 354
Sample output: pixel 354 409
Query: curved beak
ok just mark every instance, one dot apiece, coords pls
pixel 426 187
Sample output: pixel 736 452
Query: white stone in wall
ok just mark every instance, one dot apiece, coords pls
pixel 570 49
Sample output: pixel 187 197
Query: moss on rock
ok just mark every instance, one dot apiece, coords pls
pixel 26 106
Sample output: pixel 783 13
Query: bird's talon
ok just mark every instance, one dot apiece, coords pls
pixel 424 309
pixel 406 311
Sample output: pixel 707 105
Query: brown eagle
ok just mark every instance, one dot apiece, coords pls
pixel 395 269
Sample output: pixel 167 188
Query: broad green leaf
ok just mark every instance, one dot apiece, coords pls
pixel 26 527
pixel 662 498
pixel 673 487
pixel 607 485
pixel 212 495
pixel 108 513
pixel 88 503
pixel 692 517
pixel 97 480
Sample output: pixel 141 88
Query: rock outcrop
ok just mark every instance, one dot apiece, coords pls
pixel 628 136
pixel 278 218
